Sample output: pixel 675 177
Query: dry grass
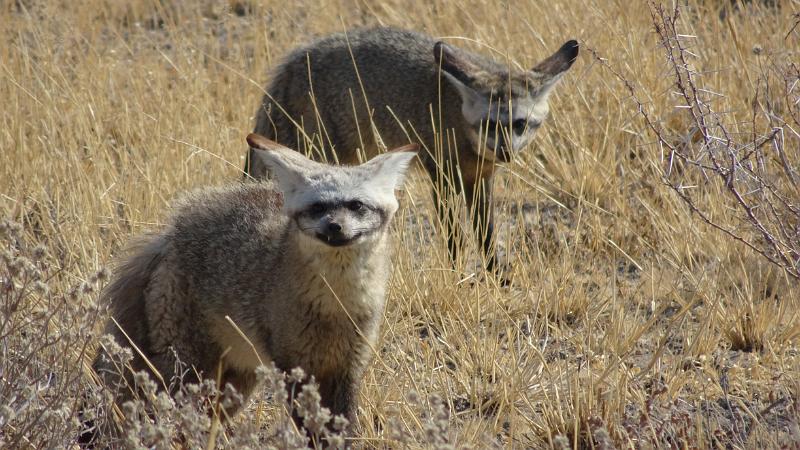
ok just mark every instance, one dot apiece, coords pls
pixel 631 322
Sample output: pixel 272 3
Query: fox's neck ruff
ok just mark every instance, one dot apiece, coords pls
pixel 350 278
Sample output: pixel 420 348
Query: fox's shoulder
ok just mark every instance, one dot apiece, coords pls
pixel 235 204
pixel 369 40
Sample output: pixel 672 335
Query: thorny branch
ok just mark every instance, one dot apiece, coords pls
pixel 757 174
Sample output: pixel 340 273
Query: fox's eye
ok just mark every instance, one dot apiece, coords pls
pixel 317 208
pixel 491 124
pixel 519 126
pixel 355 205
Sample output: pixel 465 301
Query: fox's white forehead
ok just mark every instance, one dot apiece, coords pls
pixel 342 184
pixel 305 182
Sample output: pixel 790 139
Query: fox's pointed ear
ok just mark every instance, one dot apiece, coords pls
pixel 452 63
pixel 457 70
pixel 259 142
pixel 550 70
pixel 389 169
pixel 288 167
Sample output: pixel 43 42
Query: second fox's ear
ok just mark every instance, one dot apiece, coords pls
pixel 289 168
pixel 452 64
pixel 550 70
pixel 457 70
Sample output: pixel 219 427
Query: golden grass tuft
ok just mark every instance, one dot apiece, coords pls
pixel 754 327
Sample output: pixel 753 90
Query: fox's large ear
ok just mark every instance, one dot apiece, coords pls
pixel 452 64
pixel 388 170
pixel 288 167
pixel 550 70
pixel 457 70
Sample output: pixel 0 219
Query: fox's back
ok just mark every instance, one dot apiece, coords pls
pixel 218 217
pixel 170 283
pixel 394 69
pixel 386 61
pixel 220 235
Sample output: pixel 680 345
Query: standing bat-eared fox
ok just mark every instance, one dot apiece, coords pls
pixel 467 111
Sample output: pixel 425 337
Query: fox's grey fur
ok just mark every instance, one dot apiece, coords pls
pixel 300 265
pixel 484 111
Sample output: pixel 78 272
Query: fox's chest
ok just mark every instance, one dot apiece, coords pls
pixel 338 322
pixel 331 343
pixel 343 288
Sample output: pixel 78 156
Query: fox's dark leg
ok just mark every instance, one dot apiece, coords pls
pixel 339 395
pixel 479 204
pixel 481 209
pixel 478 196
pixel 445 196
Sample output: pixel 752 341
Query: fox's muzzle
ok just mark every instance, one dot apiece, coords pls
pixel 333 235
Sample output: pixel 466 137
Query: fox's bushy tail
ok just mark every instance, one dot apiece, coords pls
pixel 124 296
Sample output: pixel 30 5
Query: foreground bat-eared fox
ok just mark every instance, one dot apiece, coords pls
pixel 467 111
pixel 299 264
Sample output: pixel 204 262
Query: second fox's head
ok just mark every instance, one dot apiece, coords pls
pixel 336 206
pixel 502 106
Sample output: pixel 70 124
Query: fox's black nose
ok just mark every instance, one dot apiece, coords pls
pixel 334 227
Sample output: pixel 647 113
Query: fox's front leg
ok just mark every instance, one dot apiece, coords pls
pixel 481 210
pixel 445 196
pixel 339 395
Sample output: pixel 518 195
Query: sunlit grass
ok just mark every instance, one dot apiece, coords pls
pixel 627 317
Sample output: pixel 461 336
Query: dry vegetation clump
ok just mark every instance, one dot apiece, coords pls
pixel 652 228
pixel 45 329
